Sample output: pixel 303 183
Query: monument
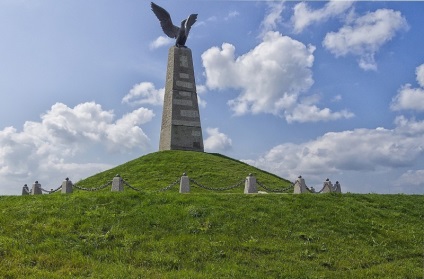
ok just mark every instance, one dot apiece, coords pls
pixel 181 129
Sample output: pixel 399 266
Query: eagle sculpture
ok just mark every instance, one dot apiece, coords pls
pixel 172 31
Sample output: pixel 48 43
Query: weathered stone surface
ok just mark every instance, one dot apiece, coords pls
pixel 327 186
pixel 300 186
pixel 250 185
pixel 181 129
pixel 184 184
pixel 36 189
pixel 67 186
pixel 117 184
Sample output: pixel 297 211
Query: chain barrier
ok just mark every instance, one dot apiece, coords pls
pixel 51 191
pixel 216 189
pixel 170 185
pixel 93 189
pixel 281 190
pixel 130 186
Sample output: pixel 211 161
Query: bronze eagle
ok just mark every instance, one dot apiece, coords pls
pixel 172 31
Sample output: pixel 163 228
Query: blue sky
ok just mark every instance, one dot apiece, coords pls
pixel 319 89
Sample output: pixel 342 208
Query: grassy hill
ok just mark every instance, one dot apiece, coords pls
pixel 157 170
pixel 207 234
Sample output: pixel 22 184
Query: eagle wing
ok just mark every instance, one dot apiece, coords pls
pixel 165 21
pixel 189 22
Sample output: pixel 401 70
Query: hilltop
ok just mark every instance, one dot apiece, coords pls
pixel 157 170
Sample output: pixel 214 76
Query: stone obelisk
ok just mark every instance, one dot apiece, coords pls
pixel 181 128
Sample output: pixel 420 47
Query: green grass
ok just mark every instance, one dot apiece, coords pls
pixel 207 234
pixel 157 170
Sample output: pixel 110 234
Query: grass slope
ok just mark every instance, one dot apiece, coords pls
pixel 209 235
pixel 157 170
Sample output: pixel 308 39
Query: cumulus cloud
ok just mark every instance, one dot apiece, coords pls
pixel 272 18
pixel 144 93
pixel 365 35
pixel 411 181
pixel 64 133
pixel 160 42
pixel 270 77
pixel 217 141
pixel 409 98
pixel 359 150
pixel 304 16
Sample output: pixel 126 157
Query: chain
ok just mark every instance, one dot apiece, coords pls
pixel 51 191
pixel 281 190
pixel 93 189
pixel 169 186
pixel 217 189
pixel 126 183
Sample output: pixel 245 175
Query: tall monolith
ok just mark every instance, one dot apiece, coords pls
pixel 181 129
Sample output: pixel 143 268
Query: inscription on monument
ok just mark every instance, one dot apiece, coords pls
pixel 189 113
pixel 184 93
pixel 184 75
pixel 196 134
pixel 186 123
pixel 185 84
pixel 183 102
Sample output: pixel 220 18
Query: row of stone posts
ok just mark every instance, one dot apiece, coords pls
pixel 250 186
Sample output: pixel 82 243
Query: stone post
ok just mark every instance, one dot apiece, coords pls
pixel 36 189
pixel 67 186
pixel 337 188
pixel 250 185
pixel 117 184
pixel 328 186
pixel 25 190
pixel 184 184
pixel 180 128
pixel 300 186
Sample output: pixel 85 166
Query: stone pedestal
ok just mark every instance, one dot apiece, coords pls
pixel 36 189
pixel 184 184
pixel 117 184
pixel 25 190
pixel 67 186
pixel 250 185
pixel 300 186
pixel 327 186
pixel 181 128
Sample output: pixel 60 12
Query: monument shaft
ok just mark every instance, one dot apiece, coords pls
pixel 181 129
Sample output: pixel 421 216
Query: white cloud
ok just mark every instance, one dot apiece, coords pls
pixel 144 93
pixel 232 14
pixel 411 181
pixel 359 150
pixel 160 42
pixel 50 149
pixel 411 98
pixel 273 18
pixel 216 141
pixel 420 75
pixel 303 16
pixel 271 76
pixel 365 36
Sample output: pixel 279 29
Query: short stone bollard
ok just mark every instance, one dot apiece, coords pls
pixel 117 184
pixel 67 186
pixel 328 186
pixel 250 185
pixel 36 189
pixel 184 184
pixel 300 186
pixel 25 190
pixel 337 188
